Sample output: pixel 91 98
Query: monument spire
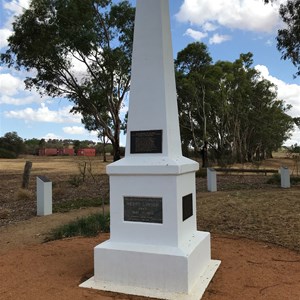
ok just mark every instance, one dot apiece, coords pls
pixel 153 103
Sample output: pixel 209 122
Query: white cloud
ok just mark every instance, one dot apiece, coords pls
pixel 21 100
pixel 13 9
pixel 209 26
pixel 78 68
pixel 10 85
pixel 4 35
pixel 196 35
pixel 44 114
pixel 12 91
pixel 218 39
pixel 251 15
pixel 290 93
pixel 74 130
pixel 295 139
pixel 52 136
pixel 16 7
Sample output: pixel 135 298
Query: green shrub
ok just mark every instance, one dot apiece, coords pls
pixel 295 180
pixel 7 154
pixel 202 173
pixel 88 227
pixel 274 179
pixel 63 207
pixel 75 180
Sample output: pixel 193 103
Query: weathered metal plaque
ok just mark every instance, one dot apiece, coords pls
pixel 187 206
pixel 143 209
pixel 148 141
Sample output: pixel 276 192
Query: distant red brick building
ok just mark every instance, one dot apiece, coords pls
pixel 86 152
pixel 67 151
pixel 48 151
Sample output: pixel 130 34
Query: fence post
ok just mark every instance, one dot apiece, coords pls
pixel 26 174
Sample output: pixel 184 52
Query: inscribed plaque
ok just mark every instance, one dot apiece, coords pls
pixel 143 209
pixel 187 206
pixel 147 141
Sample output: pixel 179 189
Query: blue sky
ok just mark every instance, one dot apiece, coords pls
pixel 228 28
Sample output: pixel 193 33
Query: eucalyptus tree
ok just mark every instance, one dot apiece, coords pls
pixel 230 105
pixel 192 68
pixel 256 121
pixel 12 143
pixel 80 50
pixel 288 38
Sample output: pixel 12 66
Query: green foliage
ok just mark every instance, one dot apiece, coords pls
pixel 75 180
pixel 229 105
pixel 293 149
pixel 4 153
pixel 31 146
pixel 295 180
pixel 12 143
pixel 288 39
pixel 63 207
pixel 88 227
pixel 274 179
pixel 201 173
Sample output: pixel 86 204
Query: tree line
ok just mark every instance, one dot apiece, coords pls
pixel 226 103
pixel 12 145
pixel 230 106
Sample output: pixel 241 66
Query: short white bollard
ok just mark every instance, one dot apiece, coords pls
pixel 211 180
pixel 44 196
pixel 285 177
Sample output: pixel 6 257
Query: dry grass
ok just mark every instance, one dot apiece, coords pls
pixel 23 195
pixel 243 206
pixel 265 215
pixel 53 164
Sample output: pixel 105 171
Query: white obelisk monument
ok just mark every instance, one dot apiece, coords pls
pixel 154 248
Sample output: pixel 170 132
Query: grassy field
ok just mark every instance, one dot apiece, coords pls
pixel 243 206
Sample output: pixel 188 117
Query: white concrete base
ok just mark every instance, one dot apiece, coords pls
pixel 196 293
pixel 154 271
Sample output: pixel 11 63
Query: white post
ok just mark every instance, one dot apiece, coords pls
pixel 211 180
pixel 285 177
pixel 44 196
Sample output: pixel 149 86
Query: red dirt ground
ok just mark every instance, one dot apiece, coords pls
pixel 53 270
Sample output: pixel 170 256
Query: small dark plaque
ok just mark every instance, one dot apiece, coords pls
pixel 149 141
pixel 143 209
pixel 187 206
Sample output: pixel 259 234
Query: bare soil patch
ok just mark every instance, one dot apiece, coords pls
pixel 244 207
pixel 249 270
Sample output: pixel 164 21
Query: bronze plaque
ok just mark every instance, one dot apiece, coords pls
pixel 187 206
pixel 143 209
pixel 148 141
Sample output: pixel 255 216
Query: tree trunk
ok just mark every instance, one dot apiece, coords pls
pixel 116 145
pixel 104 152
pixel 26 174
